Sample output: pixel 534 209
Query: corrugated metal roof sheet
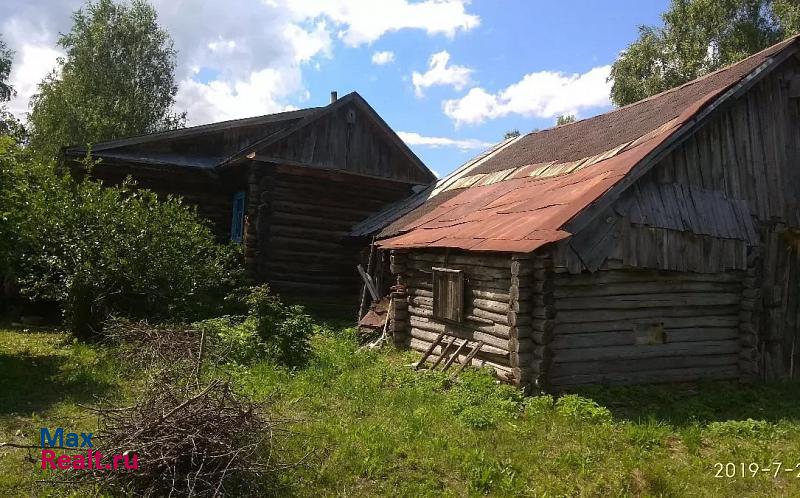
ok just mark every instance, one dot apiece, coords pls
pixel 520 198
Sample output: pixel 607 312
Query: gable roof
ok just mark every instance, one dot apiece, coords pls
pixel 180 147
pixel 545 186
pixel 354 98
pixel 210 146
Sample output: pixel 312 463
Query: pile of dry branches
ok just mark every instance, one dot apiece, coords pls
pixel 207 443
pixel 192 437
pixel 145 345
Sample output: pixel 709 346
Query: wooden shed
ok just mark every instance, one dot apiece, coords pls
pixel 659 242
pixel 288 186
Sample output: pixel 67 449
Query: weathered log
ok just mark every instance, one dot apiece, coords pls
pixel 628 337
pixel 658 376
pixel 488 305
pixel 641 301
pixel 639 276
pixel 543 325
pixel 497 330
pixel 650 314
pixel 489 339
pixel 515 319
pixel 642 288
pixel 644 364
pixel 468 259
pixel 671 322
pixel 416 291
pixel 542 338
pixel 472 315
pixel 645 351
pixel 473 271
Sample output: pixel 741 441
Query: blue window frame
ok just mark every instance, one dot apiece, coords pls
pixel 237 222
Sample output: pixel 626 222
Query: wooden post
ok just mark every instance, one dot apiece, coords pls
pixel 250 239
pixel 519 318
pixel 543 318
pixel 362 309
pixel 748 334
pixel 399 325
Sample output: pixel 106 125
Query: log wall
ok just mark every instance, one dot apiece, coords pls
pixel 497 309
pixel 609 326
pixel 296 237
pixel 210 192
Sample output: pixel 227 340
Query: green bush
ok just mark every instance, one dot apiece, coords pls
pixel 272 331
pixel 235 339
pixel 284 329
pixel 536 406
pixel 579 409
pixel 478 401
pixel 99 250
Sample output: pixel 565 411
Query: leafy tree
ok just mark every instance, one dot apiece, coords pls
pixel 116 80
pixel 698 36
pixel 99 250
pixel 6 56
pixel 565 119
pixel 511 134
pixel 9 125
pixel 787 13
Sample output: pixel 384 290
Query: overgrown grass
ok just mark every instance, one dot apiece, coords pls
pixel 44 376
pixel 369 425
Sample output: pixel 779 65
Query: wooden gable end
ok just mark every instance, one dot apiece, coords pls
pixel 348 138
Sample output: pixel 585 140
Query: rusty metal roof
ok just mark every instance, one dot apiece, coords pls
pixel 521 197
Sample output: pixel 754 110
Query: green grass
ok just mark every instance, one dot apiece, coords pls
pixel 44 376
pixel 369 425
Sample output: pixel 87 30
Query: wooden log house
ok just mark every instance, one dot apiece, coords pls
pixel 659 242
pixel 288 186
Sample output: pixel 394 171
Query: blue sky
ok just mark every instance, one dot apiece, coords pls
pixel 514 38
pixel 450 76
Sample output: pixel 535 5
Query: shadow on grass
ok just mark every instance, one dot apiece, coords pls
pixel 681 405
pixel 34 383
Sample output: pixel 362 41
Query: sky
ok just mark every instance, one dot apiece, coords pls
pixel 449 76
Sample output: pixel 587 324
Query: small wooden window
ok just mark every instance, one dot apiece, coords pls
pixel 237 221
pixel 448 294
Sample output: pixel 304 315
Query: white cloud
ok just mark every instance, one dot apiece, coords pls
pixel 544 94
pixel 412 138
pixel 263 92
pixel 381 58
pixel 364 21
pixel 307 44
pixel 243 43
pixel 31 64
pixel 222 45
pixel 439 73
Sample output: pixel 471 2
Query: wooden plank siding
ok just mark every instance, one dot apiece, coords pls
pixel 750 151
pixel 346 139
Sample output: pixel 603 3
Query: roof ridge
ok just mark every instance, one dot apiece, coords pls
pixel 777 47
pixel 190 130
